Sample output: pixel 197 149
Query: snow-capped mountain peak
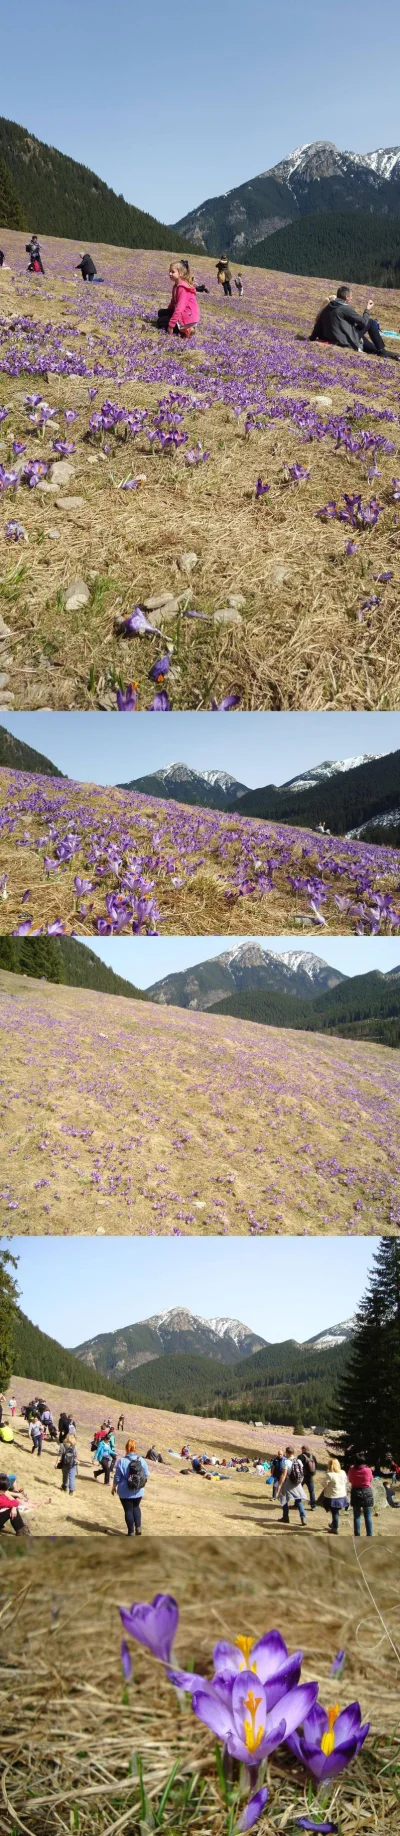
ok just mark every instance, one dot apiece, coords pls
pixel 305 960
pixel 334 1335
pixel 328 769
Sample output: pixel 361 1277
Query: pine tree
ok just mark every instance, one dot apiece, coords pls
pixel 11 213
pixel 368 1409
pixel 8 1316
pixel 8 954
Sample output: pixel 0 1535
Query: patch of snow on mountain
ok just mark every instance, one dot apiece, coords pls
pixel 327 769
pixel 383 161
pixel 305 960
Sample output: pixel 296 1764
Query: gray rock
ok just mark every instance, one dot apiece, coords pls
pixel 188 561
pixel 279 574
pixel 237 600
pixel 158 601
pixel 4 679
pixel 228 616
pixel 323 401
pixel 53 535
pixel 69 503
pixel 6 700
pixel 169 610
pixel 60 474
pixel 4 629
pixel 77 595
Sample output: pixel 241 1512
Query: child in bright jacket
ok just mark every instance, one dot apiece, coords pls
pixel 183 312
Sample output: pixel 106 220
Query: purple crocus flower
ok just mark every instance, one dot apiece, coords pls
pixel 239 1716
pixel 338 1664
pixel 19 446
pixel 57 929
pixel 222 707
pixel 138 623
pixel 330 1740
pixel 159 669
pixel 253 1810
pixel 126 1660
pixel 127 699
pixel 82 886
pixel 262 489
pixel 321 1829
pixel 153 1625
pixel 267 1658
pixel 161 703
pixel 15 532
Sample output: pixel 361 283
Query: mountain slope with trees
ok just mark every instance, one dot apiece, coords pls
pixel 63 959
pixel 60 196
pixel 353 245
pixel 343 801
pixel 362 1007
pixel 19 757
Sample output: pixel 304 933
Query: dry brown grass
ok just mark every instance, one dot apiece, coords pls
pixel 70 1732
pixel 301 644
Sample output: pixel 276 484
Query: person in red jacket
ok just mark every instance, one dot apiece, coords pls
pixel 360 1478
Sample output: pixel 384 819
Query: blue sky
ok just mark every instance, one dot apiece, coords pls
pixel 256 748
pixel 146 959
pixel 173 104
pixel 282 1288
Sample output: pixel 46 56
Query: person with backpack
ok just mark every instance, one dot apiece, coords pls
pixel 68 1462
pixel 105 1456
pixel 224 274
pixel 309 1466
pixel 130 1477
pixel 63 1425
pixel 290 1488
pixel 35 265
pixel 360 1478
pixel 278 1468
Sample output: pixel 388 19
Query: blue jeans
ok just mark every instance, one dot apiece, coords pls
pixel 298 1502
pixel 367 1514
pixel 69 1476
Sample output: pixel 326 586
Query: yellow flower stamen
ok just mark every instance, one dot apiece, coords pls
pixel 328 1739
pixel 252 1739
pixel 245 1645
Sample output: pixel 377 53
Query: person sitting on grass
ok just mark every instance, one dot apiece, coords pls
pixel 11 1498
pixel 183 314
pixel 339 323
pixel 130 1477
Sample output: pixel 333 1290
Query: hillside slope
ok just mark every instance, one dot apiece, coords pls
pixel 62 197
pixel 364 1007
pixel 20 757
pixel 356 244
pixel 63 959
pixel 341 802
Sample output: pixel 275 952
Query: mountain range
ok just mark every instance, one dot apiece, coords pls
pixel 177 1331
pixel 177 1361
pixel 344 795
pixel 358 1007
pixel 316 178
pixel 297 973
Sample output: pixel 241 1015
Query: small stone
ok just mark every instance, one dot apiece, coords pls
pixel 4 629
pixel 106 702
pixel 279 575
pixel 60 474
pixel 69 503
pixel 53 534
pixel 157 602
pixel 92 459
pixel 188 561
pixel 237 600
pixel 323 401
pixel 6 700
pixel 77 595
pixel 4 679
pixel 169 611
pixel 228 616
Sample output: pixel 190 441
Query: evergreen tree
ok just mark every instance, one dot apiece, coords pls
pixel 368 1407
pixel 8 954
pixel 8 1316
pixel 11 213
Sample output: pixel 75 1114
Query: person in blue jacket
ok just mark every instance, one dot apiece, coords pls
pixel 104 1457
pixel 130 1477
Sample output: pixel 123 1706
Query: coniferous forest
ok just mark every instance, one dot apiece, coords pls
pixel 58 196
pixel 350 245
pixel 368 1391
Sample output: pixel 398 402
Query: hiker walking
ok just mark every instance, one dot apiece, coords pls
pixel 239 285
pixel 130 1477
pixel 120 1423
pixel 37 1435
pixel 278 1467
pixel 360 1478
pixel 334 1495
pixel 68 1462
pixel 309 1466
pixel 104 1456
pixel 290 1488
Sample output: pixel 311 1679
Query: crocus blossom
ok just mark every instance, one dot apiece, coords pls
pixel 330 1739
pixel 252 1811
pixel 154 1625
pixel 239 1715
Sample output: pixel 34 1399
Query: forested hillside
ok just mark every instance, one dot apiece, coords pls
pixel 362 1007
pixel 42 1360
pixel 357 246
pixel 61 197
pixel 342 802
pixel 63 959
pixel 19 757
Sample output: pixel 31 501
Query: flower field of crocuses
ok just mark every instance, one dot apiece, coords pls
pixel 247 484
pixel 85 859
pixel 126 1117
pixel 131 1754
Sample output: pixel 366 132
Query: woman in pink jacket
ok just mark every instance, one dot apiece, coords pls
pixel 182 314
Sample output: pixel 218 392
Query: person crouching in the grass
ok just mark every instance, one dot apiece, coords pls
pixel 183 313
pixel 130 1477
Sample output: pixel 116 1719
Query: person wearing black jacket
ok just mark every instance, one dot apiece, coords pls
pixel 87 267
pixel 35 266
pixel 339 323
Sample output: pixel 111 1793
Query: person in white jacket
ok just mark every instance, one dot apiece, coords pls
pixel 335 1493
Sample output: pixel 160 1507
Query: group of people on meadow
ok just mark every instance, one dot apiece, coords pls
pixel 354 1485
pixel 337 322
